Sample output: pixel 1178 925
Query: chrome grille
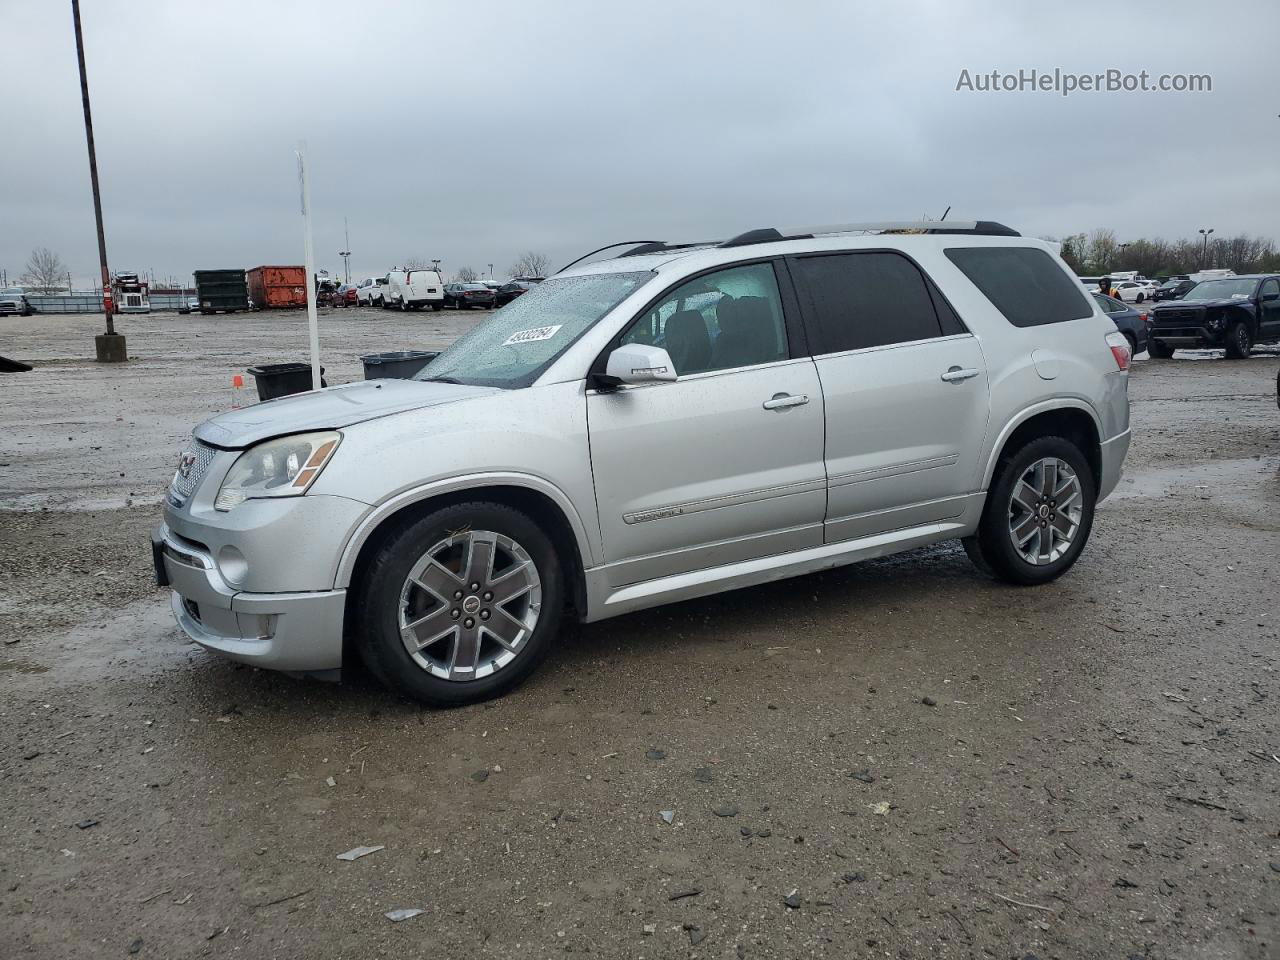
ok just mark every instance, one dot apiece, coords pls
pixel 191 467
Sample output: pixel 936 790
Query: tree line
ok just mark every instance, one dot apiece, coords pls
pixel 1101 252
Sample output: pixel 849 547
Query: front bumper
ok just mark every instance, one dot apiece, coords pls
pixel 1113 452
pixel 297 632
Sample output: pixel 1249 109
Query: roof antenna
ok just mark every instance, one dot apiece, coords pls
pixel 944 213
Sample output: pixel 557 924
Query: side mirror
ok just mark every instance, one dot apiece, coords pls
pixel 640 363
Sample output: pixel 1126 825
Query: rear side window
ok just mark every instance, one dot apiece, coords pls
pixel 1023 283
pixel 859 300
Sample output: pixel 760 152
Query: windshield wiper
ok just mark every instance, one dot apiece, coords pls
pixel 441 380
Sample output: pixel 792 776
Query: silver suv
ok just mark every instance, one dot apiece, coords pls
pixel 674 421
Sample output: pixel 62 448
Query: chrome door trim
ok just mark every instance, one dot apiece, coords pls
pixel 714 503
pixel 894 346
pixel 894 470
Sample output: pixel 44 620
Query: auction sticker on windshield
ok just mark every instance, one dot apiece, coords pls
pixel 533 335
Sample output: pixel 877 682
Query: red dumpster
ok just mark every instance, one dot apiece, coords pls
pixel 271 287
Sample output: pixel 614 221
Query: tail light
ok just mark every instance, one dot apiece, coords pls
pixel 1119 349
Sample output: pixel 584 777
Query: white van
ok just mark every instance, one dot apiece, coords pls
pixel 413 290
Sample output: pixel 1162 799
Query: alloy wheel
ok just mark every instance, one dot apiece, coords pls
pixel 469 605
pixel 1045 509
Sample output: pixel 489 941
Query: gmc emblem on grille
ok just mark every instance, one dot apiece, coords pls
pixel 185 463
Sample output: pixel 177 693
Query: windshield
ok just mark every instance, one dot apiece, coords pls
pixel 1239 288
pixel 11 290
pixel 517 343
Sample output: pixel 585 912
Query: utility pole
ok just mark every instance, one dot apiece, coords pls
pixel 346 254
pixel 491 271
pixel 110 346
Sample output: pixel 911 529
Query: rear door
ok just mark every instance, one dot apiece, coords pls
pixel 905 391
pixel 725 463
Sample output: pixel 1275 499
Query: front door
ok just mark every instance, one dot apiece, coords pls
pixel 1269 309
pixel 725 463
pixel 905 386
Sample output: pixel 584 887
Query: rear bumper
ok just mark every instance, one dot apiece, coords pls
pixel 1113 452
pixel 298 632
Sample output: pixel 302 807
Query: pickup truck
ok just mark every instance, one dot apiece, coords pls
pixel 1233 313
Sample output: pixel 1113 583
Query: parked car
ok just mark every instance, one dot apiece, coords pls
pixel 1132 323
pixel 1134 291
pixel 345 296
pixel 512 289
pixel 651 428
pixel 369 291
pixel 1172 290
pixel 1233 313
pixel 189 305
pixel 14 300
pixel 413 290
pixel 467 295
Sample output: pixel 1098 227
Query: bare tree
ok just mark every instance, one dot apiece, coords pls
pixel 530 264
pixel 45 271
pixel 466 275
pixel 415 263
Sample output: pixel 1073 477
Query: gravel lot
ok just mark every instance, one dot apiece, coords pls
pixel 1098 775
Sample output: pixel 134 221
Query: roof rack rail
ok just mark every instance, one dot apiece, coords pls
pixel 641 247
pixel 772 234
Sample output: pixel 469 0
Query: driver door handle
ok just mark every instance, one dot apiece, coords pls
pixel 956 374
pixel 783 401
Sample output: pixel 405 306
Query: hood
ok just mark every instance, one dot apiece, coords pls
pixel 328 409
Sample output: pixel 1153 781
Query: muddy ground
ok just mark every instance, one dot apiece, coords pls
pixel 1098 776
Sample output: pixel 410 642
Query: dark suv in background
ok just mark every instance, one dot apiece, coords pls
pixel 1233 313
pixel 1174 289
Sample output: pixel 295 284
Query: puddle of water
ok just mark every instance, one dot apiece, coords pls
pixel 22 666
pixel 1235 476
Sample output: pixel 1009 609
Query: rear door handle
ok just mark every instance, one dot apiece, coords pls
pixel 783 401
pixel 956 374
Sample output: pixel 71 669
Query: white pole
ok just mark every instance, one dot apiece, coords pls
pixel 313 321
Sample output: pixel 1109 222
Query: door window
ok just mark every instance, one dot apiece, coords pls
pixel 718 321
pixel 1269 286
pixel 859 300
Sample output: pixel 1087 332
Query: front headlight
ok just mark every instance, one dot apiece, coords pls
pixel 284 467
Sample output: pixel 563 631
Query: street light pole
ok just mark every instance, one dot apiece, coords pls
pixel 346 254
pixel 110 346
pixel 1204 248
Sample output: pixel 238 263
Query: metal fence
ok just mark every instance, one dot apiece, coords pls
pixel 92 302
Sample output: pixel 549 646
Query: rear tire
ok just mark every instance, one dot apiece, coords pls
pixel 1157 350
pixel 437 307
pixel 391 594
pixel 1038 514
pixel 1239 341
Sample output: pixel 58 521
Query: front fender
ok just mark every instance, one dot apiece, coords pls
pixel 388 508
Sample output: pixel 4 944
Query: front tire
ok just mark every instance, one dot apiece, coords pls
pixel 437 307
pixel 1039 512
pixel 460 605
pixel 1157 350
pixel 1239 341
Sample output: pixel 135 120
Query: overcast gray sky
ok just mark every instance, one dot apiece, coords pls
pixel 474 131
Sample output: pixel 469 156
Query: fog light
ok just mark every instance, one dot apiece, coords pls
pixel 232 564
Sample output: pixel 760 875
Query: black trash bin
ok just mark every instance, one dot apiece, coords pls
pixel 400 365
pixel 282 379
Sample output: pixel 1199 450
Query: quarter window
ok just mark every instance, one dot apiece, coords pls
pixel 1023 283
pixel 730 318
pixel 859 300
